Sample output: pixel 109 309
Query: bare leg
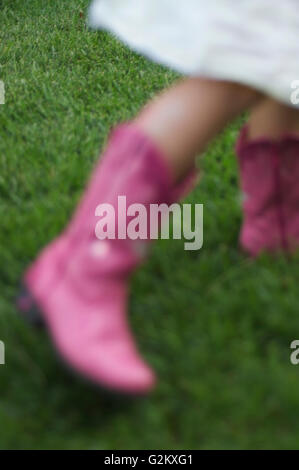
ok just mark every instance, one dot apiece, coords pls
pixel 184 119
pixel 272 119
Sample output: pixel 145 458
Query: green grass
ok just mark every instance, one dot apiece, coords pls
pixel 215 325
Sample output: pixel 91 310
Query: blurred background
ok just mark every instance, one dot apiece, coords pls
pixel 215 325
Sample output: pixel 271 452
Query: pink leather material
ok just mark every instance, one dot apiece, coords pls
pixel 269 171
pixel 290 189
pixel 80 283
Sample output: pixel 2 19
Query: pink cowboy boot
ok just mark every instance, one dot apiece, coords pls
pixel 289 170
pixel 80 283
pixel 269 173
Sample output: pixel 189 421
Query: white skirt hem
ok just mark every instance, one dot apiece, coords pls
pixel 220 51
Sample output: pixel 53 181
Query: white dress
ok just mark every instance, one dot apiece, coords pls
pixel 254 42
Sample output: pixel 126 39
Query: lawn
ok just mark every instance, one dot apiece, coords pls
pixel 215 325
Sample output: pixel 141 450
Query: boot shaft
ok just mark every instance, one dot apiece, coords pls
pixel 269 175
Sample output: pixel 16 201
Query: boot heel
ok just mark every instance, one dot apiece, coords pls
pixel 28 308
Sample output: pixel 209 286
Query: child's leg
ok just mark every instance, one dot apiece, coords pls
pixel 180 123
pixel 184 119
pixel 80 282
pixel 272 119
pixel 269 163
